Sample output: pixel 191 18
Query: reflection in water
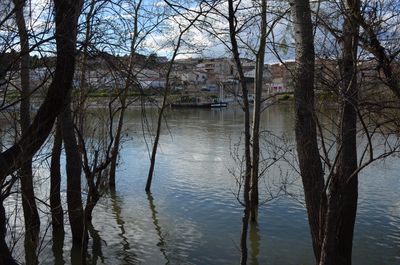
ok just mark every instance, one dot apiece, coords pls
pixel 57 247
pixel 255 242
pixel 243 236
pixel 128 257
pixel 96 247
pixel 199 217
pixel 161 243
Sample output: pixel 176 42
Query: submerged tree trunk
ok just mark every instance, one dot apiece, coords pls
pixel 247 134
pixel 31 215
pixel 155 144
pixel 243 236
pixel 254 197
pixel 245 94
pixel 305 126
pixel 128 82
pixel 343 189
pixel 117 139
pixel 254 236
pixel 164 104
pixel 74 170
pixel 13 158
pixel 331 217
pixel 57 215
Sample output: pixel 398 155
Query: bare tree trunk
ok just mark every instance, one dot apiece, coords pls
pixel 93 193
pixel 54 102
pixel 155 144
pixel 245 94
pixel 31 215
pixel 13 158
pixel 57 215
pixel 117 138
pixel 128 82
pixel 247 135
pixel 305 127
pixel 343 189
pixel 257 112
pixel 74 170
pixel 164 105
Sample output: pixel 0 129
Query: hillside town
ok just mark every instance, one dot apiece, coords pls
pixel 105 73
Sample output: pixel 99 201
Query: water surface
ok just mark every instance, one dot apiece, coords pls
pixel 193 215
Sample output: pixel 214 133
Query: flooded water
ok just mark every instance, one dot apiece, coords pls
pixel 193 215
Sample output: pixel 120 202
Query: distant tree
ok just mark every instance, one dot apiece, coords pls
pixel 379 36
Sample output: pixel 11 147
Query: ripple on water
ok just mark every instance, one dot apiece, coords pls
pixel 193 216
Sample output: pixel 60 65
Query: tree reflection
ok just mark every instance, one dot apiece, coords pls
pixel 255 243
pixel 96 247
pixel 254 238
pixel 161 243
pixel 128 257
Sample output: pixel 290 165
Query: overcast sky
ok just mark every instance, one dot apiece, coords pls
pixel 207 38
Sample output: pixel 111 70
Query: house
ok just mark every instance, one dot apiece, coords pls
pixel 281 77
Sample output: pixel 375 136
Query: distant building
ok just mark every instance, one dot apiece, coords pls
pixel 281 77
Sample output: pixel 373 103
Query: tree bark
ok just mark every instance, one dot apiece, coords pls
pixel 74 170
pixel 254 197
pixel 247 134
pixel 31 215
pixel 245 94
pixel 343 189
pixel 57 215
pixel 117 139
pixel 305 127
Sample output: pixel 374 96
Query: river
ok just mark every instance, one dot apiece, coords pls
pixel 193 215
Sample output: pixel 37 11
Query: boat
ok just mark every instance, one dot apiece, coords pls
pixel 219 104
pixel 191 105
pixel 191 102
